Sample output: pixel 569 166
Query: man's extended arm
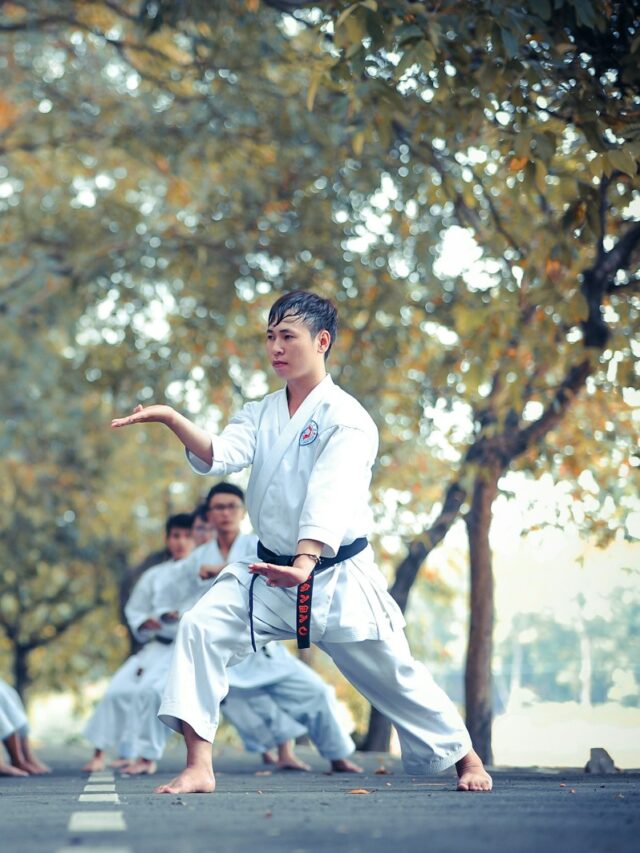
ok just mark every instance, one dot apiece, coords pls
pixel 193 437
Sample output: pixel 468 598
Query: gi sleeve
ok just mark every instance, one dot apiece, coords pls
pixel 337 499
pixel 139 606
pixel 170 594
pixel 234 448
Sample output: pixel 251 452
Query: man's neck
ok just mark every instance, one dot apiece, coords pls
pixel 299 389
pixel 226 540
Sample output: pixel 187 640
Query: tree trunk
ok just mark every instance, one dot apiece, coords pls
pixel 477 679
pixel 21 678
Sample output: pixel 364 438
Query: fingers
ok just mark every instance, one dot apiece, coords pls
pixel 131 419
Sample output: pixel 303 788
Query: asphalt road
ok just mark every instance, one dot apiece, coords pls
pixel 541 811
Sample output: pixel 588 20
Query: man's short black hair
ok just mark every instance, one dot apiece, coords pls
pixel 183 521
pixel 225 489
pixel 201 512
pixel 315 312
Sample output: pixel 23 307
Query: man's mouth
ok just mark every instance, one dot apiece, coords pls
pixel 278 363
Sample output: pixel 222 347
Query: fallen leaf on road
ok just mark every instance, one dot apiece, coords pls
pixel 382 771
pixel 359 791
pixel 563 785
pixel 264 772
pixel 572 791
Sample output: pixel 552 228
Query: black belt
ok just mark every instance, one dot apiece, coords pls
pixel 305 589
pixel 164 640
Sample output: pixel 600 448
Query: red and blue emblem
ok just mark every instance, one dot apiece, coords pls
pixel 309 434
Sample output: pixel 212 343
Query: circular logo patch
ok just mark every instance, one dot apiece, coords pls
pixel 309 433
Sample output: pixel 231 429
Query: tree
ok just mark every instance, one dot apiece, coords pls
pixel 211 170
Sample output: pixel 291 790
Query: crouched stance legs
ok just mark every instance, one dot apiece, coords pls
pixel 215 633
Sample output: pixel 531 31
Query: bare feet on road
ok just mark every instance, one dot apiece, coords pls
pixel 9 770
pixel 343 765
pixel 96 763
pixel 140 767
pixel 471 774
pixel 192 780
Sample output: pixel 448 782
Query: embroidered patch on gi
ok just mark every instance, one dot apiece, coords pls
pixel 309 433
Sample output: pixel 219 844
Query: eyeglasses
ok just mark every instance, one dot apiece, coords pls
pixel 222 507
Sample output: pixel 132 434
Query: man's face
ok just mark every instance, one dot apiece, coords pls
pixel 202 531
pixel 226 512
pixel 179 542
pixel 292 351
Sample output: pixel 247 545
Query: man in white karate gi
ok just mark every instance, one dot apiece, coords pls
pixel 273 697
pixel 110 726
pixel 311 447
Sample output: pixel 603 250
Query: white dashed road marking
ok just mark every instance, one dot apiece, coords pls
pixel 96 822
pixel 98 798
pixel 98 789
pixel 100 849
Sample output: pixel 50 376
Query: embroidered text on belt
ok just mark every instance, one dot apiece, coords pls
pixel 305 589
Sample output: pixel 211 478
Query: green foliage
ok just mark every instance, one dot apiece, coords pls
pixel 163 176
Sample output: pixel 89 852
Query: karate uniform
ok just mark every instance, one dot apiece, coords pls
pixel 298 692
pixel 260 722
pixel 113 724
pixel 12 714
pixel 310 480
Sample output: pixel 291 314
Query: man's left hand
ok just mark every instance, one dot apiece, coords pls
pixel 283 576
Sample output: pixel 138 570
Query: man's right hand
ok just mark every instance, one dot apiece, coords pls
pixel 156 414
pixel 150 624
pixel 208 571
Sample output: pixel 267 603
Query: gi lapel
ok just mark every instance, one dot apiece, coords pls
pixel 289 434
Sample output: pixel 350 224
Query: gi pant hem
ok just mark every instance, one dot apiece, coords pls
pixel 173 715
pixel 415 767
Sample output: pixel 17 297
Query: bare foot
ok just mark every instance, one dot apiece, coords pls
pixel 192 780
pixel 9 770
pixel 33 768
pixel 141 767
pixel 21 764
pixel 343 765
pixel 471 774
pixel 96 763
pixel 39 767
pixel 121 762
pixel 269 758
pixel 292 762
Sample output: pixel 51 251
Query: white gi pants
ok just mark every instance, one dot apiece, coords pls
pixel 144 731
pixel 12 714
pixel 110 726
pixel 216 633
pixel 300 693
pixel 261 724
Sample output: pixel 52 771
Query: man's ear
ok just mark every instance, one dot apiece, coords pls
pixel 324 341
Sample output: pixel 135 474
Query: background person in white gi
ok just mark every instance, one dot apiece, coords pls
pixel 311 447
pixel 147 736
pixel 110 724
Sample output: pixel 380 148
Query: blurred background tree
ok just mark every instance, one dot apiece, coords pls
pixel 167 168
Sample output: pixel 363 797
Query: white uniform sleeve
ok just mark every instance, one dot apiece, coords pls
pixel 234 448
pixel 169 595
pixel 139 606
pixel 338 490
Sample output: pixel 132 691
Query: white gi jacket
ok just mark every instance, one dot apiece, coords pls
pixel 186 586
pixel 310 480
pixel 148 600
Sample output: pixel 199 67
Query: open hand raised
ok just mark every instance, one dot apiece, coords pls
pixel 145 415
